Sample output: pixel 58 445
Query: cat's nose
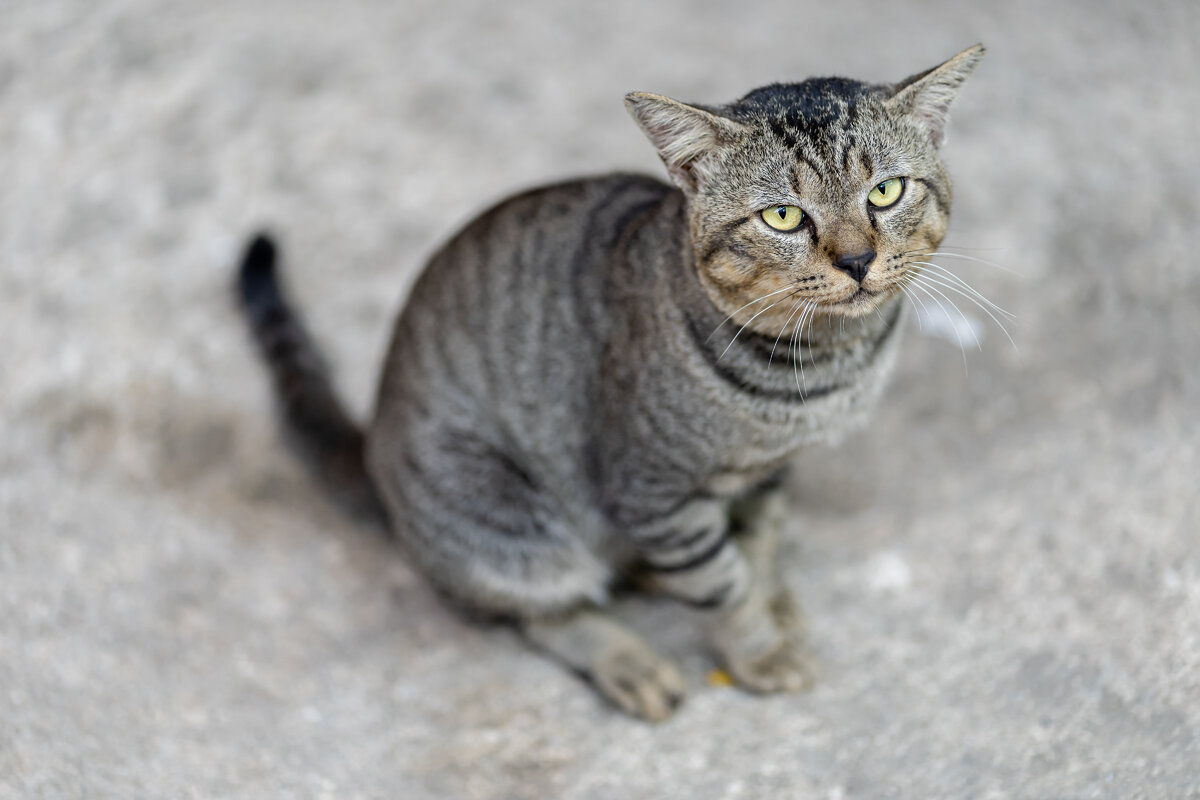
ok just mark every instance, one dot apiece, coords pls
pixel 856 266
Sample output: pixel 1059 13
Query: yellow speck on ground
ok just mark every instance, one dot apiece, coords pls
pixel 719 677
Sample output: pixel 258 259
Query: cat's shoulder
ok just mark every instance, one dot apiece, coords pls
pixel 586 190
pixel 564 207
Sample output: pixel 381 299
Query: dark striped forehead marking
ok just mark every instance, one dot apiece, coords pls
pixel 812 119
pixel 817 101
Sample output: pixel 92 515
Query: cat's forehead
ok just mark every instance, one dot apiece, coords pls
pixel 817 137
pixel 814 103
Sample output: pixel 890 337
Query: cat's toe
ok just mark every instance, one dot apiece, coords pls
pixel 785 668
pixel 640 682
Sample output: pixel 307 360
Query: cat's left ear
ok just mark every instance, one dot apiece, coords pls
pixel 927 96
pixel 685 136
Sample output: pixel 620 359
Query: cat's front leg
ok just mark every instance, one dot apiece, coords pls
pixel 757 521
pixel 693 557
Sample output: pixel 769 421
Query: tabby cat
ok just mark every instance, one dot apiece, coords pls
pixel 607 378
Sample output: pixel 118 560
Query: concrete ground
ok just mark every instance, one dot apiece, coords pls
pixel 1003 582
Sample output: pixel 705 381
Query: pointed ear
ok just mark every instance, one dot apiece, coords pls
pixel 683 135
pixel 927 96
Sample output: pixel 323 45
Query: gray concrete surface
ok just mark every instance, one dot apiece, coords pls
pixel 1004 581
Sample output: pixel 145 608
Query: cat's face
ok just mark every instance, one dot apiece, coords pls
pixel 810 199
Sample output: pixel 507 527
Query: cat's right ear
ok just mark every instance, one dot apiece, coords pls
pixel 927 95
pixel 683 135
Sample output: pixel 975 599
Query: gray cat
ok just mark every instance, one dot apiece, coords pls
pixel 607 378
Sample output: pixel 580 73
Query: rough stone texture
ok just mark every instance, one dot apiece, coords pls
pixel 1003 578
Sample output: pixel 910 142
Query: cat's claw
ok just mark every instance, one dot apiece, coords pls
pixel 640 682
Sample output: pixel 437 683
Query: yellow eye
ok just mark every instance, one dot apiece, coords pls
pixel 783 218
pixel 886 193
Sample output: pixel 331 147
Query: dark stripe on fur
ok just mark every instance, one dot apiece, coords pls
pixel 644 195
pixel 715 599
pixel 868 165
pixel 675 540
pixel 850 117
pixel 787 137
pixel 727 374
pixel 939 196
pixel 720 240
pixel 848 148
pixel 695 562
pixel 317 423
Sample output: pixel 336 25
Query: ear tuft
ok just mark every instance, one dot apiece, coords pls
pixel 683 135
pixel 927 96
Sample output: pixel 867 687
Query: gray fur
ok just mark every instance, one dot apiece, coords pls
pixel 586 381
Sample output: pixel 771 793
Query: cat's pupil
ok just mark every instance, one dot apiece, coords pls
pixel 782 212
pixel 882 188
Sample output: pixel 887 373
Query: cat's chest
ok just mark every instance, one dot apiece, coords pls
pixel 754 429
pixel 760 435
pixel 678 412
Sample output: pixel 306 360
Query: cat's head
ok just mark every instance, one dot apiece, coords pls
pixel 819 192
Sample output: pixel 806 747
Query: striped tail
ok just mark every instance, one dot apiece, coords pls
pixel 315 419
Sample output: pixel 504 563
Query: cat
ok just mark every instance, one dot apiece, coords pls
pixel 605 379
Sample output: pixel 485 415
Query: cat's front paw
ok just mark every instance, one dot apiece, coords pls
pixel 787 667
pixel 640 682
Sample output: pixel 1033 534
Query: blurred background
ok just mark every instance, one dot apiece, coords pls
pixel 1004 585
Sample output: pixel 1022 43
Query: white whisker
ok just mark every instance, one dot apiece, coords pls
pixel 911 302
pixel 811 355
pixel 797 361
pixel 795 306
pixel 911 296
pixel 946 272
pixel 953 288
pixel 962 349
pixel 973 249
pixel 739 330
pixel 743 308
pixel 932 285
pixel 929 254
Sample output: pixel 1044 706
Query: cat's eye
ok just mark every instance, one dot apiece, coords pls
pixel 886 193
pixel 783 218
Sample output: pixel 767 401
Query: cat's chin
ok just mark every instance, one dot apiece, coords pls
pixel 860 303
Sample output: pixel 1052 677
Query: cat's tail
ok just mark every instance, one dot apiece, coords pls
pixel 315 419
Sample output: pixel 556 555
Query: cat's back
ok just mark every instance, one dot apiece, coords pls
pixel 511 315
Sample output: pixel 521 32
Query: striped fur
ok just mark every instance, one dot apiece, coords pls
pixel 585 383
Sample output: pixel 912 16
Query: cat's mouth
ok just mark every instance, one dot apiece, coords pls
pixel 862 301
pixel 860 297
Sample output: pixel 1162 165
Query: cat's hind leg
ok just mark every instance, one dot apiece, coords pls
pixel 483 529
